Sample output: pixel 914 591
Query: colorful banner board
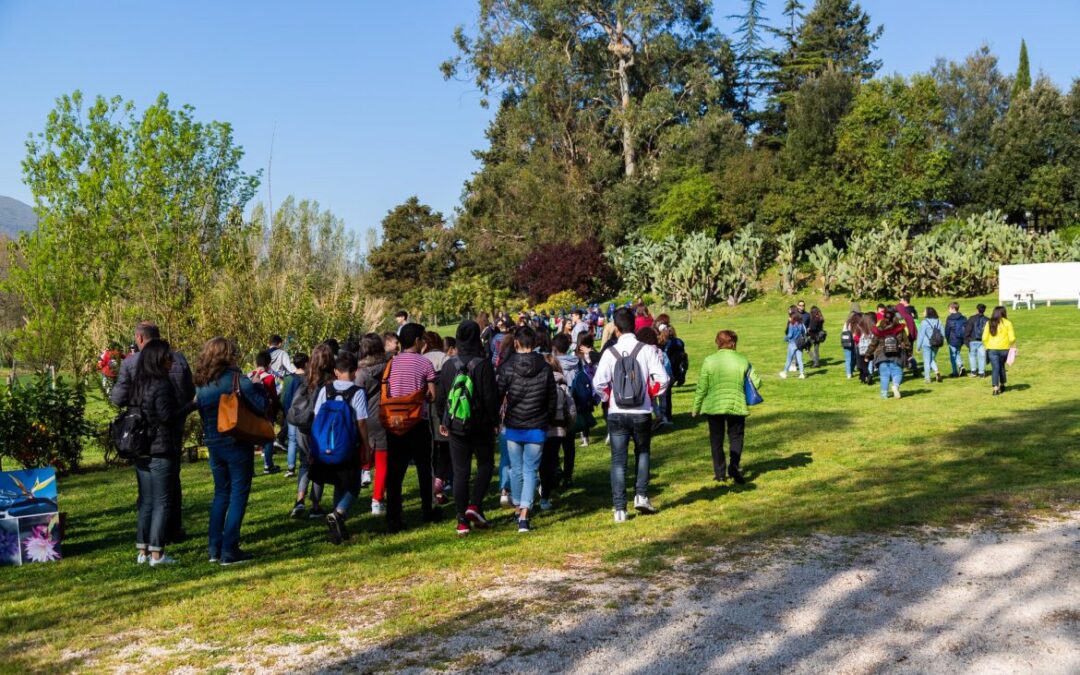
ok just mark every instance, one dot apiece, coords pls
pixel 29 517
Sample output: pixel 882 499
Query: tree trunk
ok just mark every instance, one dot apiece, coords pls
pixel 629 155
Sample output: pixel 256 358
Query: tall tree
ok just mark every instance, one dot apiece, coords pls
pixel 1022 81
pixel 751 54
pixel 417 250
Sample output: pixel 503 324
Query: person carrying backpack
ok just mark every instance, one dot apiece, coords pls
pixel 579 383
pixel 559 429
pixel 373 360
pixel 848 342
pixel 527 384
pixel 890 350
pixel 954 337
pixel 796 339
pixel 815 334
pixel 318 372
pixel 408 387
pixel 292 383
pixel 973 332
pixel 262 376
pixel 339 437
pixel 931 339
pixel 628 377
pixel 468 413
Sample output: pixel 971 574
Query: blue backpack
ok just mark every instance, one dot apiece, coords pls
pixel 334 430
pixel 582 390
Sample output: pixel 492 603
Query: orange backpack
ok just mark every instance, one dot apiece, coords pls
pixel 400 414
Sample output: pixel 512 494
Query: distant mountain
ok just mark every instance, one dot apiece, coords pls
pixel 15 217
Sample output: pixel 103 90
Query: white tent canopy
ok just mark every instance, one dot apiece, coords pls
pixel 1041 282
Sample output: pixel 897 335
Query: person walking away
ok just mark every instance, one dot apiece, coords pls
pixel 931 339
pixel 318 372
pixel 154 395
pixel 183 387
pixel 905 313
pixel 470 423
pixel 292 383
pixel 410 386
pixel 816 334
pixel 262 376
pixel 642 319
pixel 675 349
pixel 373 360
pixel 890 349
pixel 434 351
pixel 796 338
pixel 721 397
pixel 340 440
pixel 954 338
pixel 998 337
pixel 628 377
pixel 973 333
pixel 849 343
pixel 649 337
pixel 560 428
pixel 527 384
pixel 231 462
pixel 280 362
pixel 863 337
pixel 572 368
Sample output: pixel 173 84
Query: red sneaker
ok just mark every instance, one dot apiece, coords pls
pixel 463 529
pixel 476 517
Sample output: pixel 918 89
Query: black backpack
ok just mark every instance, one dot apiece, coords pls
pixel 847 340
pixel 131 433
pixel 301 413
pixel 936 338
pixel 627 384
pixel 892 346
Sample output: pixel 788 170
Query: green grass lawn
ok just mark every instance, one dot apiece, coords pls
pixel 823 455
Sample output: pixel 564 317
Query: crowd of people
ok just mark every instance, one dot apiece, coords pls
pixel 358 414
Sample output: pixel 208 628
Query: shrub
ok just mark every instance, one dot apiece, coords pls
pixel 558 302
pixel 555 267
pixel 43 423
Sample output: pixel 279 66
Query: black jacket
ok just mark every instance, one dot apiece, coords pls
pixel 485 390
pixel 166 416
pixel 528 383
pixel 179 375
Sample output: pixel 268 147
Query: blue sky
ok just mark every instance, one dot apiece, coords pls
pixel 351 92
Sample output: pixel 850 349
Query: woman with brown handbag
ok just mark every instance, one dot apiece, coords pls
pixel 232 455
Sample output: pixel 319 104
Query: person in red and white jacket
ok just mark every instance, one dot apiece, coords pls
pixel 626 423
pixel 262 375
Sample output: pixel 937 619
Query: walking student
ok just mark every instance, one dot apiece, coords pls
pixel 721 397
pixel 848 342
pixel 955 323
pixel 292 383
pixel 231 463
pixel 628 377
pixel 815 333
pixel 154 395
pixel 262 376
pixel 317 374
pixel 470 423
pixel 434 351
pixel 890 351
pixel 373 360
pixel 527 384
pixel 973 335
pixel 999 337
pixel 560 429
pixel 796 340
pixel 931 339
pixel 410 386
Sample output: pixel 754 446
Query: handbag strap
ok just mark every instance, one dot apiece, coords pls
pixel 386 380
pixel 236 382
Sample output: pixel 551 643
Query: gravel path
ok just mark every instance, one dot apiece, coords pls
pixel 981 602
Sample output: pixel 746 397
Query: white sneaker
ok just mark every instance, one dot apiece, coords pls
pixel 365 478
pixel 783 375
pixel 793 368
pixel 895 391
pixel 163 560
pixel 584 440
pixel 377 508
pixel 504 500
pixel 620 516
pixel 141 560
pixel 802 376
pixel 643 505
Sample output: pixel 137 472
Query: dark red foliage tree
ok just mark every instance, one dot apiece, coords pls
pixel 554 267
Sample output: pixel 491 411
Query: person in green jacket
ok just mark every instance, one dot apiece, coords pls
pixel 721 397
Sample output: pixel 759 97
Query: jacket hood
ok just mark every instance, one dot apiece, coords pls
pixel 528 365
pixel 882 329
pixel 568 362
pixel 468 339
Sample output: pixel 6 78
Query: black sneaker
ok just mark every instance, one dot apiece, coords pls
pixel 240 558
pixel 736 476
pixel 316 513
pixel 297 510
pixel 335 522
pixel 523 525
pixel 267 470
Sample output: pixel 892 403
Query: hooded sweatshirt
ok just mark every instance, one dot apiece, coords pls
pixel 485 389
pixel 877 344
pixel 528 383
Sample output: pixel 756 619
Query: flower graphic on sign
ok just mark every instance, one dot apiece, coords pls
pixel 39 546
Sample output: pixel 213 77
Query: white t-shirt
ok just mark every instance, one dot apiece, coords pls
pixel 359 399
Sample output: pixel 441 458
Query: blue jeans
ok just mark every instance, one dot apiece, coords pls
pixel 291 456
pixel 232 467
pixel 524 463
pixel 997 365
pixel 622 427
pixel 303 480
pixel 154 477
pixel 849 361
pixel 504 462
pixel 268 454
pixel 793 352
pixel 890 373
pixel 977 357
pixel 929 357
pixel 955 361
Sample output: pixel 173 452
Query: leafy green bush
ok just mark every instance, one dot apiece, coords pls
pixel 43 423
pixel 557 302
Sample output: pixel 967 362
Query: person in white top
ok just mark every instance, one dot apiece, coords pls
pixel 280 362
pixel 630 409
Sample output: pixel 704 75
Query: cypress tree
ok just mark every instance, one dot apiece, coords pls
pixel 1022 83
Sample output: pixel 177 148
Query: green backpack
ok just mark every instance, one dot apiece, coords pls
pixel 460 415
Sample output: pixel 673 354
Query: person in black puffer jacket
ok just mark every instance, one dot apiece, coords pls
pixel 155 395
pixel 528 385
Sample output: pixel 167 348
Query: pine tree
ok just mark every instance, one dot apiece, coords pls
pixel 751 54
pixel 1022 83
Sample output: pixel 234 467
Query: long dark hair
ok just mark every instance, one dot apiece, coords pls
pixel 320 368
pixel 931 313
pixel 155 359
pixel 816 315
pixel 996 317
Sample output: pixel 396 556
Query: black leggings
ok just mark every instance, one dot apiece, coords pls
pixel 736 427
pixel 413 446
pixel 462 449
pixel 440 461
pixel 549 463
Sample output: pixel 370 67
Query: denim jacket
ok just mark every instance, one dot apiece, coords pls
pixel 794 331
pixel 208 396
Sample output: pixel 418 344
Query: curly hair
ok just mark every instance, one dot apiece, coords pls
pixel 217 356
pixel 320 368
